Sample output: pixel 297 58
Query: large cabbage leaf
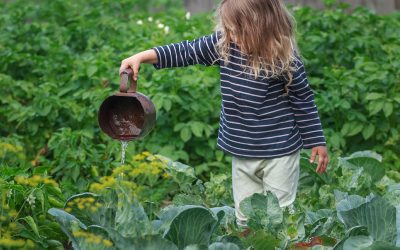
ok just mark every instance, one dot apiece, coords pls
pixel 263 211
pixel 187 225
pixel 67 221
pixel 375 214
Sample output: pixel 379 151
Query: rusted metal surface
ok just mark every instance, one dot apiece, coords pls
pixel 127 115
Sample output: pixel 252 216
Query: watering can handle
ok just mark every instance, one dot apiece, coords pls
pixel 126 80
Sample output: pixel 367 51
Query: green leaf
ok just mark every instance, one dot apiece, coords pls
pixel 197 128
pixel 31 222
pixel 345 129
pixel 365 153
pixel 374 96
pixel 372 166
pixel 188 225
pixel 91 70
pixel 148 242
pixel 76 171
pixel 229 217
pixel 377 215
pixel 261 239
pixel 376 107
pixel 186 134
pixel 40 197
pixel 55 244
pixel 223 246
pixel 219 155
pixel 367 161
pixel 345 104
pixel 167 104
pixel 131 220
pixel 388 109
pixel 368 131
pixel 66 222
pixel 181 173
pixel 358 242
pixel 263 211
pixel 355 129
pixel 379 245
pixel 179 126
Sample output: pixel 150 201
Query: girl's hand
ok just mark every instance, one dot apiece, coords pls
pixel 132 62
pixel 323 158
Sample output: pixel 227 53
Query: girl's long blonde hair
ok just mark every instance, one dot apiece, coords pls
pixel 264 32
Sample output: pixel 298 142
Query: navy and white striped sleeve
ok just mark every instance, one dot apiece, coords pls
pixel 301 98
pixel 199 51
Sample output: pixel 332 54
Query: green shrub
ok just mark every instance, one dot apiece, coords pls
pixel 352 61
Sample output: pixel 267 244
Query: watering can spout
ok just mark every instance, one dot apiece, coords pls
pixel 127 115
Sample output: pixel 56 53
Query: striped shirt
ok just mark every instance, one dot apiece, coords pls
pixel 257 119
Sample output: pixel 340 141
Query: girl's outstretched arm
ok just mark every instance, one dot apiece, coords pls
pixel 133 62
pixel 199 51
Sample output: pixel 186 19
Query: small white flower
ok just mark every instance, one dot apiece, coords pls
pixel 166 29
pixel 157 21
pixel 160 25
pixel 9 193
pixel 187 16
pixel 150 19
pixel 139 22
pixel 31 200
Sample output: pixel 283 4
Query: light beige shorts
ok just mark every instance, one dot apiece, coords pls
pixel 279 175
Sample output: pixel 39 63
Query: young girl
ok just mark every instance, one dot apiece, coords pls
pixel 268 112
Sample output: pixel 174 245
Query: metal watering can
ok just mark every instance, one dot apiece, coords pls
pixel 127 115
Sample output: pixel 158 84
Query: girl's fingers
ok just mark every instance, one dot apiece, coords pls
pixel 135 69
pixel 124 65
pixel 313 154
pixel 320 167
pixel 322 164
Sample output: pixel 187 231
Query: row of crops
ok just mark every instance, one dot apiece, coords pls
pixel 61 182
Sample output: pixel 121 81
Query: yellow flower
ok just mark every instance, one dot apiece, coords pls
pixel 90 199
pixel 155 171
pixel 107 243
pixel 92 238
pixel 93 209
pixel 8 242
pixel 9 147
pixel 36 178
pixel 138 157
pixel 49 181
pixel 19 179
pixel 12 225
pixel 12 213
pixel 121 169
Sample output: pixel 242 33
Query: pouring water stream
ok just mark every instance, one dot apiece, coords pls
pixel 124 145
